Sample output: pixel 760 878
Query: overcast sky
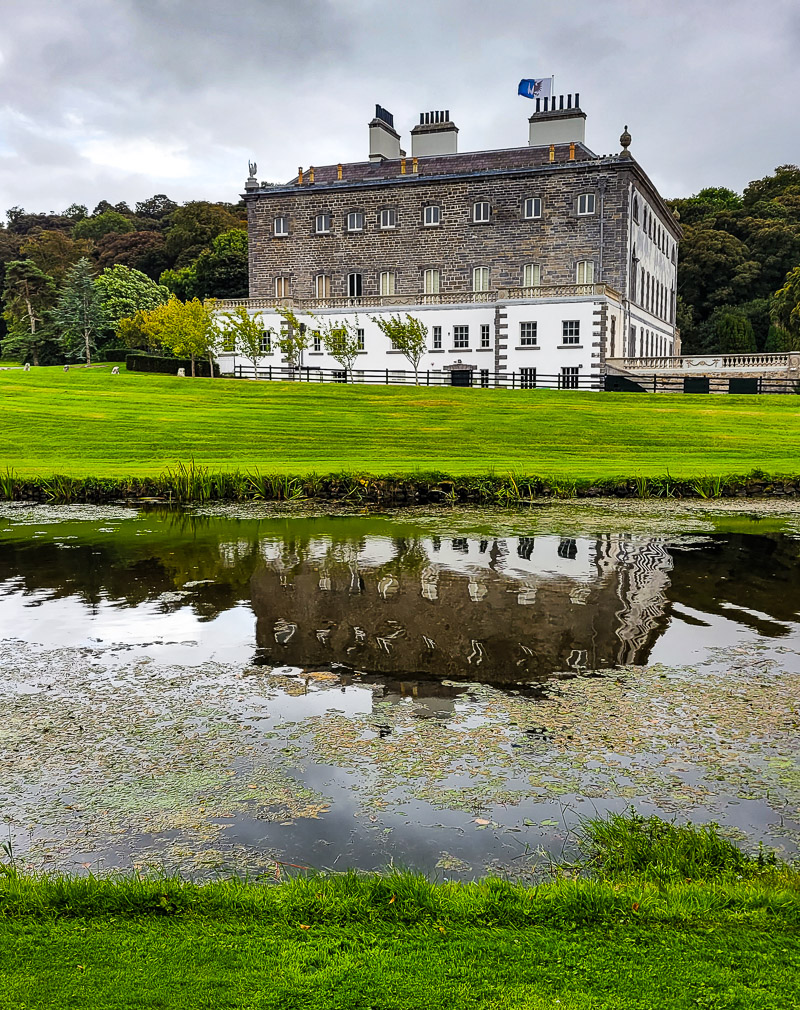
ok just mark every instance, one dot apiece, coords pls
pixel 121 99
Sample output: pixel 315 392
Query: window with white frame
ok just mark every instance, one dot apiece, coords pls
pixel 636 209
pixel 316 341
pixel 528 334
pixel 431 278
pixel 322 224
pixel 281 225
pixel 481 211
pixel 532 208
pixel 461 336
pixel 265 343
pixel 431 216
pixel 387 282
pixel 480 279
pixel 586 204
pixel 282 288
pixel 354 285
pixel 485 377
pixel 360 337
pixel 437 338
pixel 527 378
pixel 322 286
pixel 531 275
pixel 485 335
pixel 571 331
pixel 388 218
pixel 355 221
pixel 568 379
pixel 584 272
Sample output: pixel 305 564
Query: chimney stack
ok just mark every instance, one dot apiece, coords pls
pixel 384 141
pixel 560 124
pixel 435 134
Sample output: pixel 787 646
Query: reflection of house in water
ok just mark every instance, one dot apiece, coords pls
pixel 495 609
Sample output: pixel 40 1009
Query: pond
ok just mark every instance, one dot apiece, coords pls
pixel 255 689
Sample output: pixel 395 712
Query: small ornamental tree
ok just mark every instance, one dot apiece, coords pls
pixel 187 329
pixel 245 333
pixel 342 342
pixel 408 335
pixel 293 338
pixel 28 296
pixel 80 313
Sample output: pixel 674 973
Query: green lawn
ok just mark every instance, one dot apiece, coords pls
pixel 89 422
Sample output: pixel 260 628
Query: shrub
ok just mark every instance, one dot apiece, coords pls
pixel 167 366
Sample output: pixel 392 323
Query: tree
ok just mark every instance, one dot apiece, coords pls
pixel 76 211
pixel 779 341
pixel 293 338
pixel 54 252
pixel 409 335
pixel 734 333
pixel 193 227
pixel 103 224
pixel 80 314
pixel 28 295
pixel 182 282
pixel 126 292
pixel 140 250
pixel 786 305
pixel 222 270
pixel 188 329
pixel 157 207
pixel 715 268
pixel 342 341
pixel 245 333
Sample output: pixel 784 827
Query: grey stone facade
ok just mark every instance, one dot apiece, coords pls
pixel 556 241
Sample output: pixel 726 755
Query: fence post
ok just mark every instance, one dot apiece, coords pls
pixel 760 378
pixel 387 376
pixel 654 382
pixel 513 380
pixel 428 381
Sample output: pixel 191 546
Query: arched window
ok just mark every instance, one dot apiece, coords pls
pixel 636 209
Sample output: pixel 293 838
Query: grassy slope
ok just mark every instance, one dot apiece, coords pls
pixel 88 422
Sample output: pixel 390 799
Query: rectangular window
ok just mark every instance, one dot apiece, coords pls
pixel 485 377
pixel 431 217
pixel 437 338
pixel 322 224
pixel 584 272
pixel 481 211
pixel 531 275
pixel 228 343
pixel 461 336
pixel 431 282
pixel 586 203
pixel 354 286
pixel 265 344
pixel 528 334
pixel 355 221
pixel 282 225
pixel 568 379
pixel 388 219
pixel 533 207
pixel 527 378
pixel 571 331
pixel 360 337
pixel 485 337
pixel 322 286
pixel 316 340
pixel 281 287
pixel 480 279
pixel 387 282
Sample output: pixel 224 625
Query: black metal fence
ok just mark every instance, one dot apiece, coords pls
pixel 525 378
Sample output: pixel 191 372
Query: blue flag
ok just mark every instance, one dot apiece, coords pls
pixel 535 87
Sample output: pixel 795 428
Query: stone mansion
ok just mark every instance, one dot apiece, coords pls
pixel 534 263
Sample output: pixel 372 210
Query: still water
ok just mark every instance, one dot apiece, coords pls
pixel 450 691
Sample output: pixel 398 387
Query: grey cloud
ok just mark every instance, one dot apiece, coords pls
pixel 707 96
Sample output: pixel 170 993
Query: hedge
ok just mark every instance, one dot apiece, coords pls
pixel 169 366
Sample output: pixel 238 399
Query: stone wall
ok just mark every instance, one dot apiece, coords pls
pixel 556 241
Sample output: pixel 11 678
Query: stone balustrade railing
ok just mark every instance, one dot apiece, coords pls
pixel 544 291
pixel 709 363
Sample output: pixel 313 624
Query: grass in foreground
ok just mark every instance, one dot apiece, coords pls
pixel 88 422
pixel 629 940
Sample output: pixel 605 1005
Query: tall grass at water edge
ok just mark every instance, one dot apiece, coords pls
pixel 192 482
